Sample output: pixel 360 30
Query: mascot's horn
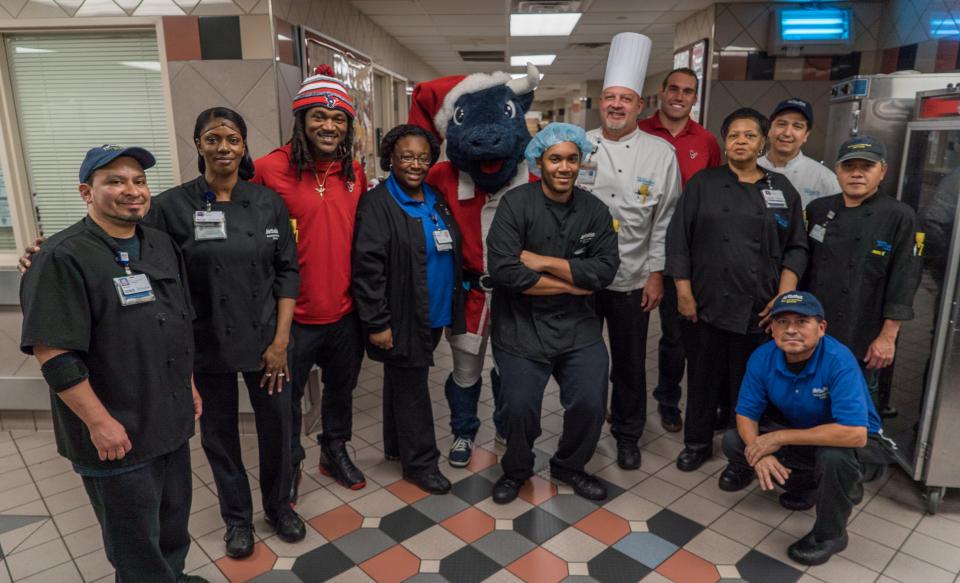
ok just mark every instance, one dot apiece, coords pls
pixel 526 84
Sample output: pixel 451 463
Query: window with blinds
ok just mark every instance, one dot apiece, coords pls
pixel 73 91
pixel 7 241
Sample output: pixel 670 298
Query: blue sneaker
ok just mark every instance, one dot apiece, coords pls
pixel 460 452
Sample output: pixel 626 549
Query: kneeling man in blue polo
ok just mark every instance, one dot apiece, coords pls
pixel 805 421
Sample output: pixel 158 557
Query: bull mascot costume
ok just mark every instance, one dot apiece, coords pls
pixel 481 117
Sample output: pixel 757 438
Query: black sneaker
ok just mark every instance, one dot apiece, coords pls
pixel 628 454
pixel 506 489
pixel 583 483
pixel 335 463
pixel 810 551
pixel 239 539
pixel 432 482
pixel 289 526
pixel 670 419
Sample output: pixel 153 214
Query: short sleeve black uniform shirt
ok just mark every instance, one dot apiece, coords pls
pixel 140 356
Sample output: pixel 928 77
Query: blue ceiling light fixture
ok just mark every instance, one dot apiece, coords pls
pixel 944 27
pixel 815 24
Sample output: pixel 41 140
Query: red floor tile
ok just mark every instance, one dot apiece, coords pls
pixel 469 525
pixel 539 566
pixel 604 526
pixel 240 570
pixel 337 522
pixel 481 459
pixel 406 491
pixel 537 490
pixel 392 565
pixel 686 567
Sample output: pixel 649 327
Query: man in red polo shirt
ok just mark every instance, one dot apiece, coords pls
pixel 696 149
pixel 320 182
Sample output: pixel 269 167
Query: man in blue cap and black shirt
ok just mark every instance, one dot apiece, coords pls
pixel 805 421
pixel 865 259
pixel 107 314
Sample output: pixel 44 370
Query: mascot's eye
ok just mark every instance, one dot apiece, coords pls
pixel 458 115
pixel 509 110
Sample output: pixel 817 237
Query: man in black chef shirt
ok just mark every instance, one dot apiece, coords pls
pixel 107 314
pixel 550 247
pixel 864 258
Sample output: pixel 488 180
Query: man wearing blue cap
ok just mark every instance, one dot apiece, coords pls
pixel 107 314
pixel 865 258
pixel 790 125
pixel 805 422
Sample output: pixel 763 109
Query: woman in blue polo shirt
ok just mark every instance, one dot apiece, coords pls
pixel 407 288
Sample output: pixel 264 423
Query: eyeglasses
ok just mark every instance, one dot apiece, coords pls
pixel 410 159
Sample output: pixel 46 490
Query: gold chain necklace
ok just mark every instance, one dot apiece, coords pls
pixel 321 185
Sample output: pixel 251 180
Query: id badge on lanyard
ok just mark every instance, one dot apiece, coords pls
pixel 819 232
pixel 774 199
pixel 132 288
pixel 209 224
pixel 588 170
pixel 443 240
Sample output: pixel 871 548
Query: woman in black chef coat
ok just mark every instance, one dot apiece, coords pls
pixel 736 242
pixel 240 252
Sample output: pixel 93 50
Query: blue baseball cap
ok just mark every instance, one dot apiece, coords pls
pixel 794 104
pixel 863 148
pixel 798 302
pixel 102 155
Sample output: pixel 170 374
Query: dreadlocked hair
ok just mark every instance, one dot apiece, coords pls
pixel 301 158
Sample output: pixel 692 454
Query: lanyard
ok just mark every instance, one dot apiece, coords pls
pixel 209 197
pixel 123 258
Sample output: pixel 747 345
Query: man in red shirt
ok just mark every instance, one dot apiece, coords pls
pixel 321 184
pixel 696 149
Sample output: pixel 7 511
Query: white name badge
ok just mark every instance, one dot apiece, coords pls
pixel 818 232
pixel 134 289
pixel 588 174
pixel 443 240
pixel 774 199
pixel 209 225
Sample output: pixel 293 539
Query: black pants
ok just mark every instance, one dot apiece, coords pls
pixel 408 430
pixel 716 362
pixel 627 329
pixel 834 475
pixel 143 515
pixel 336 348
pixel 672 356
pixel 220 435
pixel 582 376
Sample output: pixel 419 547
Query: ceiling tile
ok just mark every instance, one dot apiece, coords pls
pixel 632 5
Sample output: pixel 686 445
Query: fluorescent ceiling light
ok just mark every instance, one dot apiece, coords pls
pixel 29 50
pixel 538 60
pixel 543 24
pixel 811 21
pixel 520 75
pixel 145 65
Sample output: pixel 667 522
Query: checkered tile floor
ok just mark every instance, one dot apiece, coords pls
pixel 658 525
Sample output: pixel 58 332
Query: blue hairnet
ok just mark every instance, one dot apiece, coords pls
pixel 552 135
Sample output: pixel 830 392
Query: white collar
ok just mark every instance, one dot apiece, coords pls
pixel 791 162
pixel 466 189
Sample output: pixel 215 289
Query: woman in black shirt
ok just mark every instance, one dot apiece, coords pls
pixel 240 253
pixel 736 242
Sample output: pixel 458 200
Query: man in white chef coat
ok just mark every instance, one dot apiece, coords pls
pixel 637 176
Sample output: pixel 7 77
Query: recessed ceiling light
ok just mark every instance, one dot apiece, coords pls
pixel 543 24
pixel 538 60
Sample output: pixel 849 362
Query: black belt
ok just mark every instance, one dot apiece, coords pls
pixel 479 281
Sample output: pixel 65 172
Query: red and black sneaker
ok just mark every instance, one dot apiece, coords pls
pixel 335 463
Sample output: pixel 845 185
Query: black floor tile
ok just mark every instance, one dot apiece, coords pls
pixel 612 566
pixel 538 525
pixel 757 567
pixel 468 565
pixel 321 564
pixel 405 523
pixel 672 527
pixel 473 489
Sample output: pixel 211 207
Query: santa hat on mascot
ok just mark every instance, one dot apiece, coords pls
pixel 433 101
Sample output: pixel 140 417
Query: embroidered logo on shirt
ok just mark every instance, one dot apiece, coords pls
pixel 781 221
pixel 272 233
pixel 882 248
pixel 587 237
pixel 822 393
pixel 694 154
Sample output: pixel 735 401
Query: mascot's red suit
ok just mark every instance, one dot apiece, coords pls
pixel 481 119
